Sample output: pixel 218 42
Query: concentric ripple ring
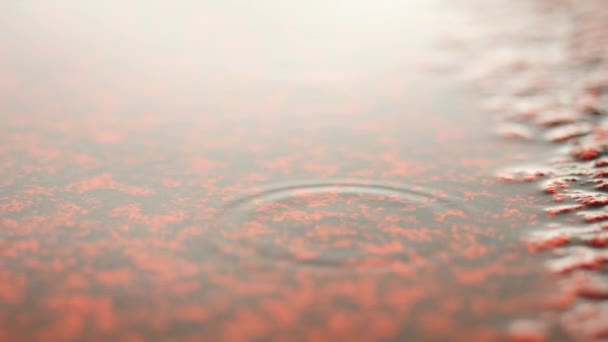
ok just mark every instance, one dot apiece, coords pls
pixel 332 223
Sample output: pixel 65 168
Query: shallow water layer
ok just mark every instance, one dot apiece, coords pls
pixel 289 171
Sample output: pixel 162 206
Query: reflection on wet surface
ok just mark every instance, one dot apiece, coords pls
pixel 283 171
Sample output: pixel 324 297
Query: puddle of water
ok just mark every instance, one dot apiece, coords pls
pixel 244 172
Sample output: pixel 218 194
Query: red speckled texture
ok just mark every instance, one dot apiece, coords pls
pixel 237 172
pixel 553 88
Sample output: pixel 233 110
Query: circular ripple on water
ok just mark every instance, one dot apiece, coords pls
pixel 336 223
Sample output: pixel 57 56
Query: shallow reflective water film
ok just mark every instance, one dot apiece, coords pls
pixel 287 170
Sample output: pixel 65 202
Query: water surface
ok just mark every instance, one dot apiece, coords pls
pixel 280 170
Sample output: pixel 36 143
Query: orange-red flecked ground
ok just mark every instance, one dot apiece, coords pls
pixel 233 172
pixel 551 88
